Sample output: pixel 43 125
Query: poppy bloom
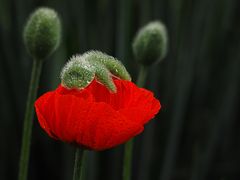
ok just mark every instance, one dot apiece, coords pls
pixel 94 117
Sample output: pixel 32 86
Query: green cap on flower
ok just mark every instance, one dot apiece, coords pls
pixel 150 43
pixel 80 71
pixel 42 33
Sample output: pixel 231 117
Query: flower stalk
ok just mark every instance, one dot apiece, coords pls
pixel 41 37
pixel 78 166
pixel 149 47
pixel 127 160
pixel 27 126
pixel 128 149
pixel 142 76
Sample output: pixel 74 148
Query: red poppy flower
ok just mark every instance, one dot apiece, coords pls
pixel 94 117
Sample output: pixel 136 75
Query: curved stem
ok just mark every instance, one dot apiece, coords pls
pixel 128 149
pixel 27 126
pixel 77 173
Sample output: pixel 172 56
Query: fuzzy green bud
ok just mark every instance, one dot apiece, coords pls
pixel 150 43
pixel 80 71
pixel 42 33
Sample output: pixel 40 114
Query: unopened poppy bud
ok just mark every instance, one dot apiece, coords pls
pixel 42 33
pixel 150 43
pixel 80 71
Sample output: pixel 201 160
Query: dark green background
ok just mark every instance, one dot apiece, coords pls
pixel 196 135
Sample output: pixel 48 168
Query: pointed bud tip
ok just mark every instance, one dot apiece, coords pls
pixel 42 33
pixel 150 43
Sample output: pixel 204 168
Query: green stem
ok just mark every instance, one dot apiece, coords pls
pixel 142 76
pixel 128 149
pixel 127 160
pixel 79 156
pixel 27 126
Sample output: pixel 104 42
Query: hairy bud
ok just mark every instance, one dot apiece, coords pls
pixel 150 43
pixel 42 33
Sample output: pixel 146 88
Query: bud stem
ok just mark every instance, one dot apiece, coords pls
pixel 128 149
pixel 27 126
pixel 78 167
pixel 142 76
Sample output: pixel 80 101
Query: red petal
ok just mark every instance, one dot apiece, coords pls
pixel 76 120
pixel 44 113
pixel 95 117
pixel 116 100
pixel 109 128
pixel 137 104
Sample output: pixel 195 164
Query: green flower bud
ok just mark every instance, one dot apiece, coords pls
pixel 42 33
pixel 80 71
pixel 150 43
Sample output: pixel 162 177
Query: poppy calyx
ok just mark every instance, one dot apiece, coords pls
pixel 81 70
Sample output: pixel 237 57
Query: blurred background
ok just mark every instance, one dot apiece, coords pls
pixel 196 135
